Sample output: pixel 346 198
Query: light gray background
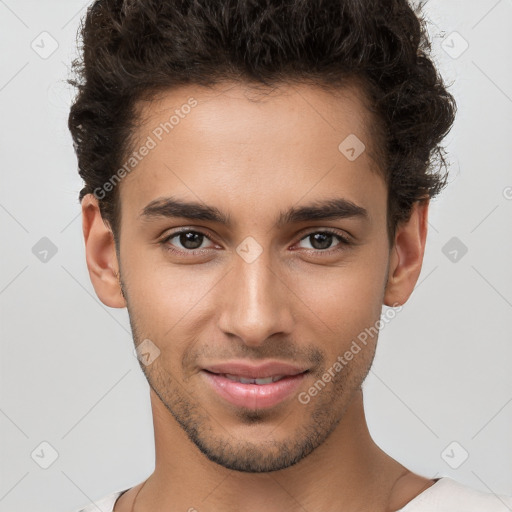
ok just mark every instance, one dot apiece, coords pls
pixel 69 376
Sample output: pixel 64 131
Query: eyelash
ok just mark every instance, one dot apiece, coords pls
pixel 344 241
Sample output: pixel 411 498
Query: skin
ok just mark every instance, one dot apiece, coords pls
pixel 252 160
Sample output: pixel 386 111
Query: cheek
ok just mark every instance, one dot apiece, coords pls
pixel 350 293
pixel 166 298
pixel 347 300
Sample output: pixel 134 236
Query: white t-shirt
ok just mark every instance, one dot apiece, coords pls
pixel 446 495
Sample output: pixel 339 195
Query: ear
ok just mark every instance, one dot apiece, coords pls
pixel 406 255
pixel 101 254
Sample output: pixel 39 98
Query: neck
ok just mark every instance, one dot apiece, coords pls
pixel 348 468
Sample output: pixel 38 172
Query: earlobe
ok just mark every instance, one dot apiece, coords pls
pixel 406 256
pixel 101 254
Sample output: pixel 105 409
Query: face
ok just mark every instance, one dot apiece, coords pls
pixel 254 284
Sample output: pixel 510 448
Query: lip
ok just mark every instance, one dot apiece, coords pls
pixel 268 369
pixel 254 396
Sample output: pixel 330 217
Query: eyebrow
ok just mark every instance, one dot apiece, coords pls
pixel 171 207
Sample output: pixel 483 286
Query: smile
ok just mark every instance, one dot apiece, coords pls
pixel 253 393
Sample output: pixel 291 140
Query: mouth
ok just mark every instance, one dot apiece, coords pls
pixel 253 393
pixel 243 370
pixel 259 382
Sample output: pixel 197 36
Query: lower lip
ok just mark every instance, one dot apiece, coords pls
pixel 254 396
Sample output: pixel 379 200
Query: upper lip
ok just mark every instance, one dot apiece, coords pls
pixel 261 371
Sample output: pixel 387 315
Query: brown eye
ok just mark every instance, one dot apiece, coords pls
pixel 321 241
pixel 189 241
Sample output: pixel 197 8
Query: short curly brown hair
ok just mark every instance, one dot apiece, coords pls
pixel 132 49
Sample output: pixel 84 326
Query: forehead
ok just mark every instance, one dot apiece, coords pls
pixel 268 147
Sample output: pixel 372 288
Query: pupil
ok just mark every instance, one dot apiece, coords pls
pixel 325 240
pixel 187 238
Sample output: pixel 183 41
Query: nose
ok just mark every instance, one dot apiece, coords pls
pixel 256 301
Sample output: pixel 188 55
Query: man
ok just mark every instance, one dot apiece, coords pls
pixel 257 183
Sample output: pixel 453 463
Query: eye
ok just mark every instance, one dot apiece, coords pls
pixel 191 241
pixel 321 241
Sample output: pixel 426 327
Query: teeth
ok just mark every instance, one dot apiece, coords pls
pixel 242 380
